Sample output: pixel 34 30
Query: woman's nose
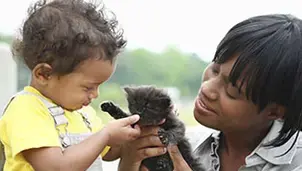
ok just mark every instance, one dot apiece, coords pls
pixel 209 90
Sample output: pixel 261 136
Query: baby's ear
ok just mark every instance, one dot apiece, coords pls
pixel 42 72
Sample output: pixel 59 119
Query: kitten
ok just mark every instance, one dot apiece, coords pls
pixel 153 105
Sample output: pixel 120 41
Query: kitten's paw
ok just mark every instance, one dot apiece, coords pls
pixel 161 165
pixel 164 164
pixel 163 136
pixel 106 106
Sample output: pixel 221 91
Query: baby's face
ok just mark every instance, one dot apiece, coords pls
pixel 77 89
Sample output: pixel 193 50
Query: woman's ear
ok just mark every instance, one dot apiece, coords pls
pixel 42 73
pixel 275 111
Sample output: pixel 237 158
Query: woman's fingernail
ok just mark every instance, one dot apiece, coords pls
pixel 164 150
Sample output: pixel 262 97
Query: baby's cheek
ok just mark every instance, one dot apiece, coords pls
pixel 77 100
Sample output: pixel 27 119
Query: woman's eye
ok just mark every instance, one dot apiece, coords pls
pixel 215 69
pixel 232 92
pixel 229 95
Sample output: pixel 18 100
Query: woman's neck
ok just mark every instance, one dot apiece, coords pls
pixel 239 144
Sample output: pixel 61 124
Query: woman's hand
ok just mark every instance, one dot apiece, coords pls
pixel 178 161
pixel 146 146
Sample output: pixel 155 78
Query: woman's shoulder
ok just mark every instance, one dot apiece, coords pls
pixel 197 135
pixel 292 159
pixel 296 161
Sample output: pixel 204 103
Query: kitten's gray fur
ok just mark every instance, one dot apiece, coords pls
pixel 153 105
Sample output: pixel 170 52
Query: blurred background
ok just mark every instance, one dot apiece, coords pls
pixel 169 44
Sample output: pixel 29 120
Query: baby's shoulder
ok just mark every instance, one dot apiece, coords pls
pixel 24 104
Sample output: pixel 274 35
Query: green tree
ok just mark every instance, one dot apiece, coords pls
pixel 169 68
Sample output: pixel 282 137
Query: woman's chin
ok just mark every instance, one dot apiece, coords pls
pixel 203 120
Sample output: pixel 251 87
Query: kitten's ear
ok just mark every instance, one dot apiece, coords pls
pixel 128 90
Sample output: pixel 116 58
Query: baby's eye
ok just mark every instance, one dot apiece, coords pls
pixel 86 88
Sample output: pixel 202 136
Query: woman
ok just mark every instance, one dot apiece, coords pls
pixel 252 94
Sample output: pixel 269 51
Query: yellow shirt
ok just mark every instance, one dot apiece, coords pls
pixel 27 124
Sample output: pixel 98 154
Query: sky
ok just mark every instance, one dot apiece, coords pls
pixel 192 25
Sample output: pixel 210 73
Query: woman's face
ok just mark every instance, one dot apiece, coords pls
pixel 219 105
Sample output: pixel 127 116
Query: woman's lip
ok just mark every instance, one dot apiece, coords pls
pixel 203 107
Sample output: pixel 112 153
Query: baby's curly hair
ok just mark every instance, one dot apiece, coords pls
pixel 63 33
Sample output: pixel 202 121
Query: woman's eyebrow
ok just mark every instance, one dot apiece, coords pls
pixel 226 79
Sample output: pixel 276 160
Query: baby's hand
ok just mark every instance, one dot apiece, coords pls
pixel 120 131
